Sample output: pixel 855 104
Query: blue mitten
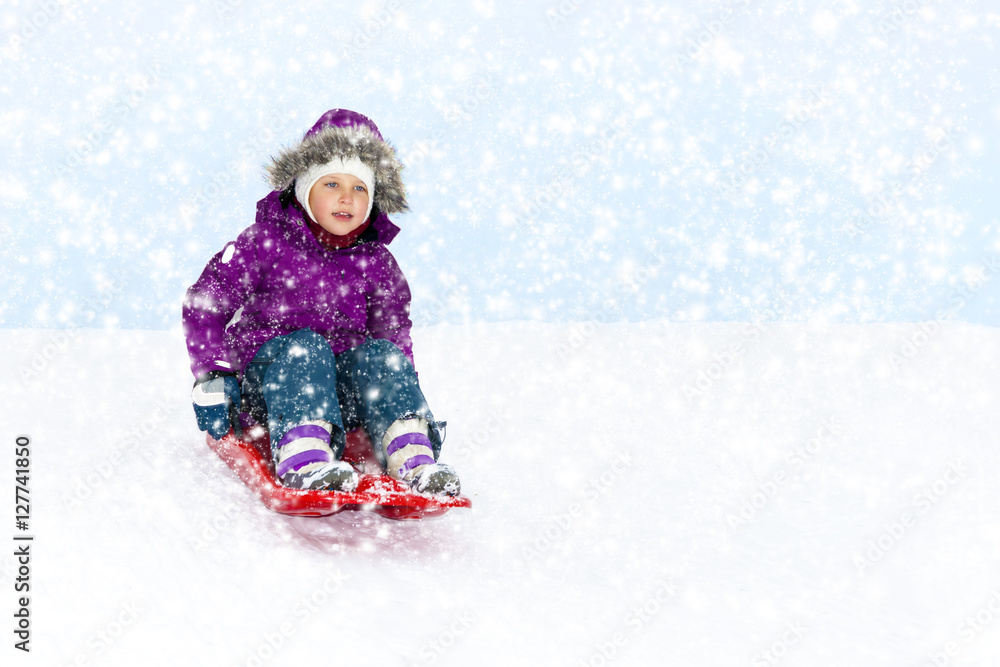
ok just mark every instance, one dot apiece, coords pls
pixel 216 398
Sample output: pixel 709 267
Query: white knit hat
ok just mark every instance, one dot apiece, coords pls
pixel 353 166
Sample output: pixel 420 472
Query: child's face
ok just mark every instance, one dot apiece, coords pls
pixel 339 203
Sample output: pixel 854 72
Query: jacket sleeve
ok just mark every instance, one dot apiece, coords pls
pixel 389 305
pixel 228 279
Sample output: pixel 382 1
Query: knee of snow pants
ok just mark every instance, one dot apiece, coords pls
pixel 296 377
pixel 377 385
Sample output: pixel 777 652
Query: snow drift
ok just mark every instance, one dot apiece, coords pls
pixel 655 493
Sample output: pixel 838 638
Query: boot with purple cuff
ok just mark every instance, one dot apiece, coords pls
pixel 410 459
pixel 304 460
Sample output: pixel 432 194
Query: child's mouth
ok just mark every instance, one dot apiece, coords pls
pixel 343 216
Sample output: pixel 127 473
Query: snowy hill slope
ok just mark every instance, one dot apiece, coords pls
pixel 712 494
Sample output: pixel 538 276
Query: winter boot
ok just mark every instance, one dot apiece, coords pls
pixel 304 460
pixel 410 459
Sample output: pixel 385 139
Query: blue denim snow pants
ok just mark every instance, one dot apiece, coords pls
pixel 296 378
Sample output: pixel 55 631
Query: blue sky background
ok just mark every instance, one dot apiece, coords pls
pixel 565 161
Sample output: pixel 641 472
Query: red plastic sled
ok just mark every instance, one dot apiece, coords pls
pixel 250 459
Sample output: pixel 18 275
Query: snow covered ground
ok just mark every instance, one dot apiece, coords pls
pixel 656 493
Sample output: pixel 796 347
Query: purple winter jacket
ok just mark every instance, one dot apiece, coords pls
pixel 276 278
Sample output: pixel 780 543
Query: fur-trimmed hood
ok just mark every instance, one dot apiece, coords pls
pixel 344 134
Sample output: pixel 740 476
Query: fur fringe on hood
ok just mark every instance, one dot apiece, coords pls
pixel 346 141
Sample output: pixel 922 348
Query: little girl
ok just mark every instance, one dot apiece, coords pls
pixel 303 321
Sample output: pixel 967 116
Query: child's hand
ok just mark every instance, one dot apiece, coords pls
pixel 216 397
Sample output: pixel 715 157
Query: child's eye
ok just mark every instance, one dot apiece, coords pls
pixel 331 185
pixel 360 188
